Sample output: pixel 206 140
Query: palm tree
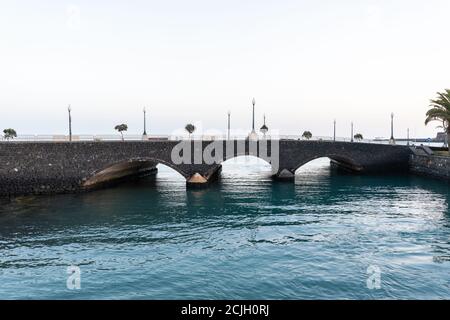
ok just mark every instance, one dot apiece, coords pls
pixel 190 128
pixel 358 137
pixel 440 111
pixel 9 134
pixel 307 135
pixel 121 128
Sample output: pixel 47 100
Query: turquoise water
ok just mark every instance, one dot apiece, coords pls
pixel 246 237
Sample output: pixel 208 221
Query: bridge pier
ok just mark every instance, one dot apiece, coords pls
pixel 202 180
pixel 284 175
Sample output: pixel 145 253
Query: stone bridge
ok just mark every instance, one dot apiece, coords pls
pixel 57 167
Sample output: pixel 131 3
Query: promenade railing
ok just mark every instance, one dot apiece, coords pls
pixel 204 137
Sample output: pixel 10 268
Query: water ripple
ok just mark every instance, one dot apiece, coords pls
pixel 247 237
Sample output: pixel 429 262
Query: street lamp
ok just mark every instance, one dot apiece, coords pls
pixel 253 118
pixel 228 134
pixel 407 137
pixel 334 130
pixel 264 128
pixel 253 135
pixel 392 140
pixel 69 109
pixel 144 135
pixel 351 138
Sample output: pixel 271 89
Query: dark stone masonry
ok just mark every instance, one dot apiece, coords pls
pixel 431 166
pixel 58 167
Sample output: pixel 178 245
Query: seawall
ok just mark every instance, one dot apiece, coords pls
pixel 430 166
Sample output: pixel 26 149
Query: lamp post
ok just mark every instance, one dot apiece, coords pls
pixel 264 129
pixel 253 118
pixel 145 122
pixel 228 134
pixel 351 138
pixel 392 140
pixel 407 137
pixel 69 109
pixel 334 130
pixel 253 135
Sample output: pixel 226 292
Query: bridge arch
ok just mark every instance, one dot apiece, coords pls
pixel 121 169
pixel 243 155
pixel 344 161
pixel 252 160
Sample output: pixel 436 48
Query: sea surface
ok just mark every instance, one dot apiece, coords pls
pixel 327 236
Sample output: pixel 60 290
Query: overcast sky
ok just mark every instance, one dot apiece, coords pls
pixel 305 62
